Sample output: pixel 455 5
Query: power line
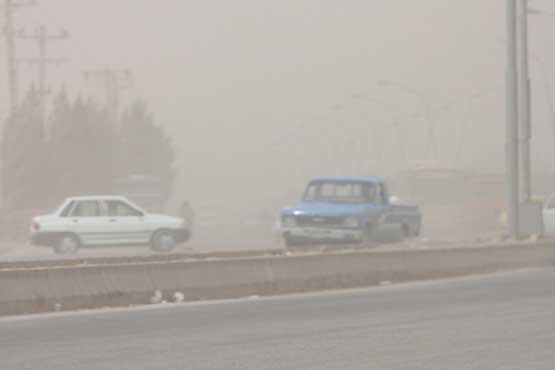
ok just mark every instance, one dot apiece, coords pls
pixel 43 38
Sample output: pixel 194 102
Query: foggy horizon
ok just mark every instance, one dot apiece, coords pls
pixel 264 95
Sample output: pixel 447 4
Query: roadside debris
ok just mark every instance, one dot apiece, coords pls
pixel 178 297
pixel 157 297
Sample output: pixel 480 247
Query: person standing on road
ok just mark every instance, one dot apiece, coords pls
pixel 187 213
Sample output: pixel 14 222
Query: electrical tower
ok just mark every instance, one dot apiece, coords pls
pixel 43 38
pixel 9 7
pixel 113 81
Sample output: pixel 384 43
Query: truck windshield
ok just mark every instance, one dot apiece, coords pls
pixel 341 192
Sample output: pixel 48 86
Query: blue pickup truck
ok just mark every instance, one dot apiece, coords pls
pixel 347 210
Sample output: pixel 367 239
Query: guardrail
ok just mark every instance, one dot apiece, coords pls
pixel 33 290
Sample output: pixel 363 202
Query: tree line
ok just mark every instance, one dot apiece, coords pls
pixel 78 149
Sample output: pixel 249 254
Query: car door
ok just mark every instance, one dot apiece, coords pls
pixel 85 220
pixel 126 223
pixel 388 225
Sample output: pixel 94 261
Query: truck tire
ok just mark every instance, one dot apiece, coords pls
pixel 406 232
pixel 290 242
pixel 417 231
pixel 369 234
pixel 409 232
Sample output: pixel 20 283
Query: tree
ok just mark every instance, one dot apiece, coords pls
pixel 59 153
pixel 84 151
pixel 101 150
pixel 83 148
pixel 146 149
pixel 23 149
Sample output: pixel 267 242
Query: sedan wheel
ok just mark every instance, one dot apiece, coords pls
pixel 163 241
pixel 68 244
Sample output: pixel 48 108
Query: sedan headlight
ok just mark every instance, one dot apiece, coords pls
pixel 288 221
pixel 351 222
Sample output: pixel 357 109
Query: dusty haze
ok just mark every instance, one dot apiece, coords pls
pixel 259 96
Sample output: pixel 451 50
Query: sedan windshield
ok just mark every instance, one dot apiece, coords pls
pixel 341 192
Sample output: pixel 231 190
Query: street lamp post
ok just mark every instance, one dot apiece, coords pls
pixel 512 121
pixel 524 110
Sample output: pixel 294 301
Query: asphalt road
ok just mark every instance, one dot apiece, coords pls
pixel 499 322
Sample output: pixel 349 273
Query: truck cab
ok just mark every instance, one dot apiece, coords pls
pixel 347 210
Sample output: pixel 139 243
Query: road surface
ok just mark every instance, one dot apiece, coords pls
pixel 501 322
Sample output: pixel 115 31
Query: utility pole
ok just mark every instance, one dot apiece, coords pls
pixel 42 38
pixel 10 33
pixel 512 156
pixel 524 106
pixel 114 81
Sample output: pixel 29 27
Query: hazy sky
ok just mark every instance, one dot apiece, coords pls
pixel 265 91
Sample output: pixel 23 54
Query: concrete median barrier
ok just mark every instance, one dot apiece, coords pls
pixel 33 290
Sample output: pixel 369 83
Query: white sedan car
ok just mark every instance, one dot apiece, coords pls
pixel 106 220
